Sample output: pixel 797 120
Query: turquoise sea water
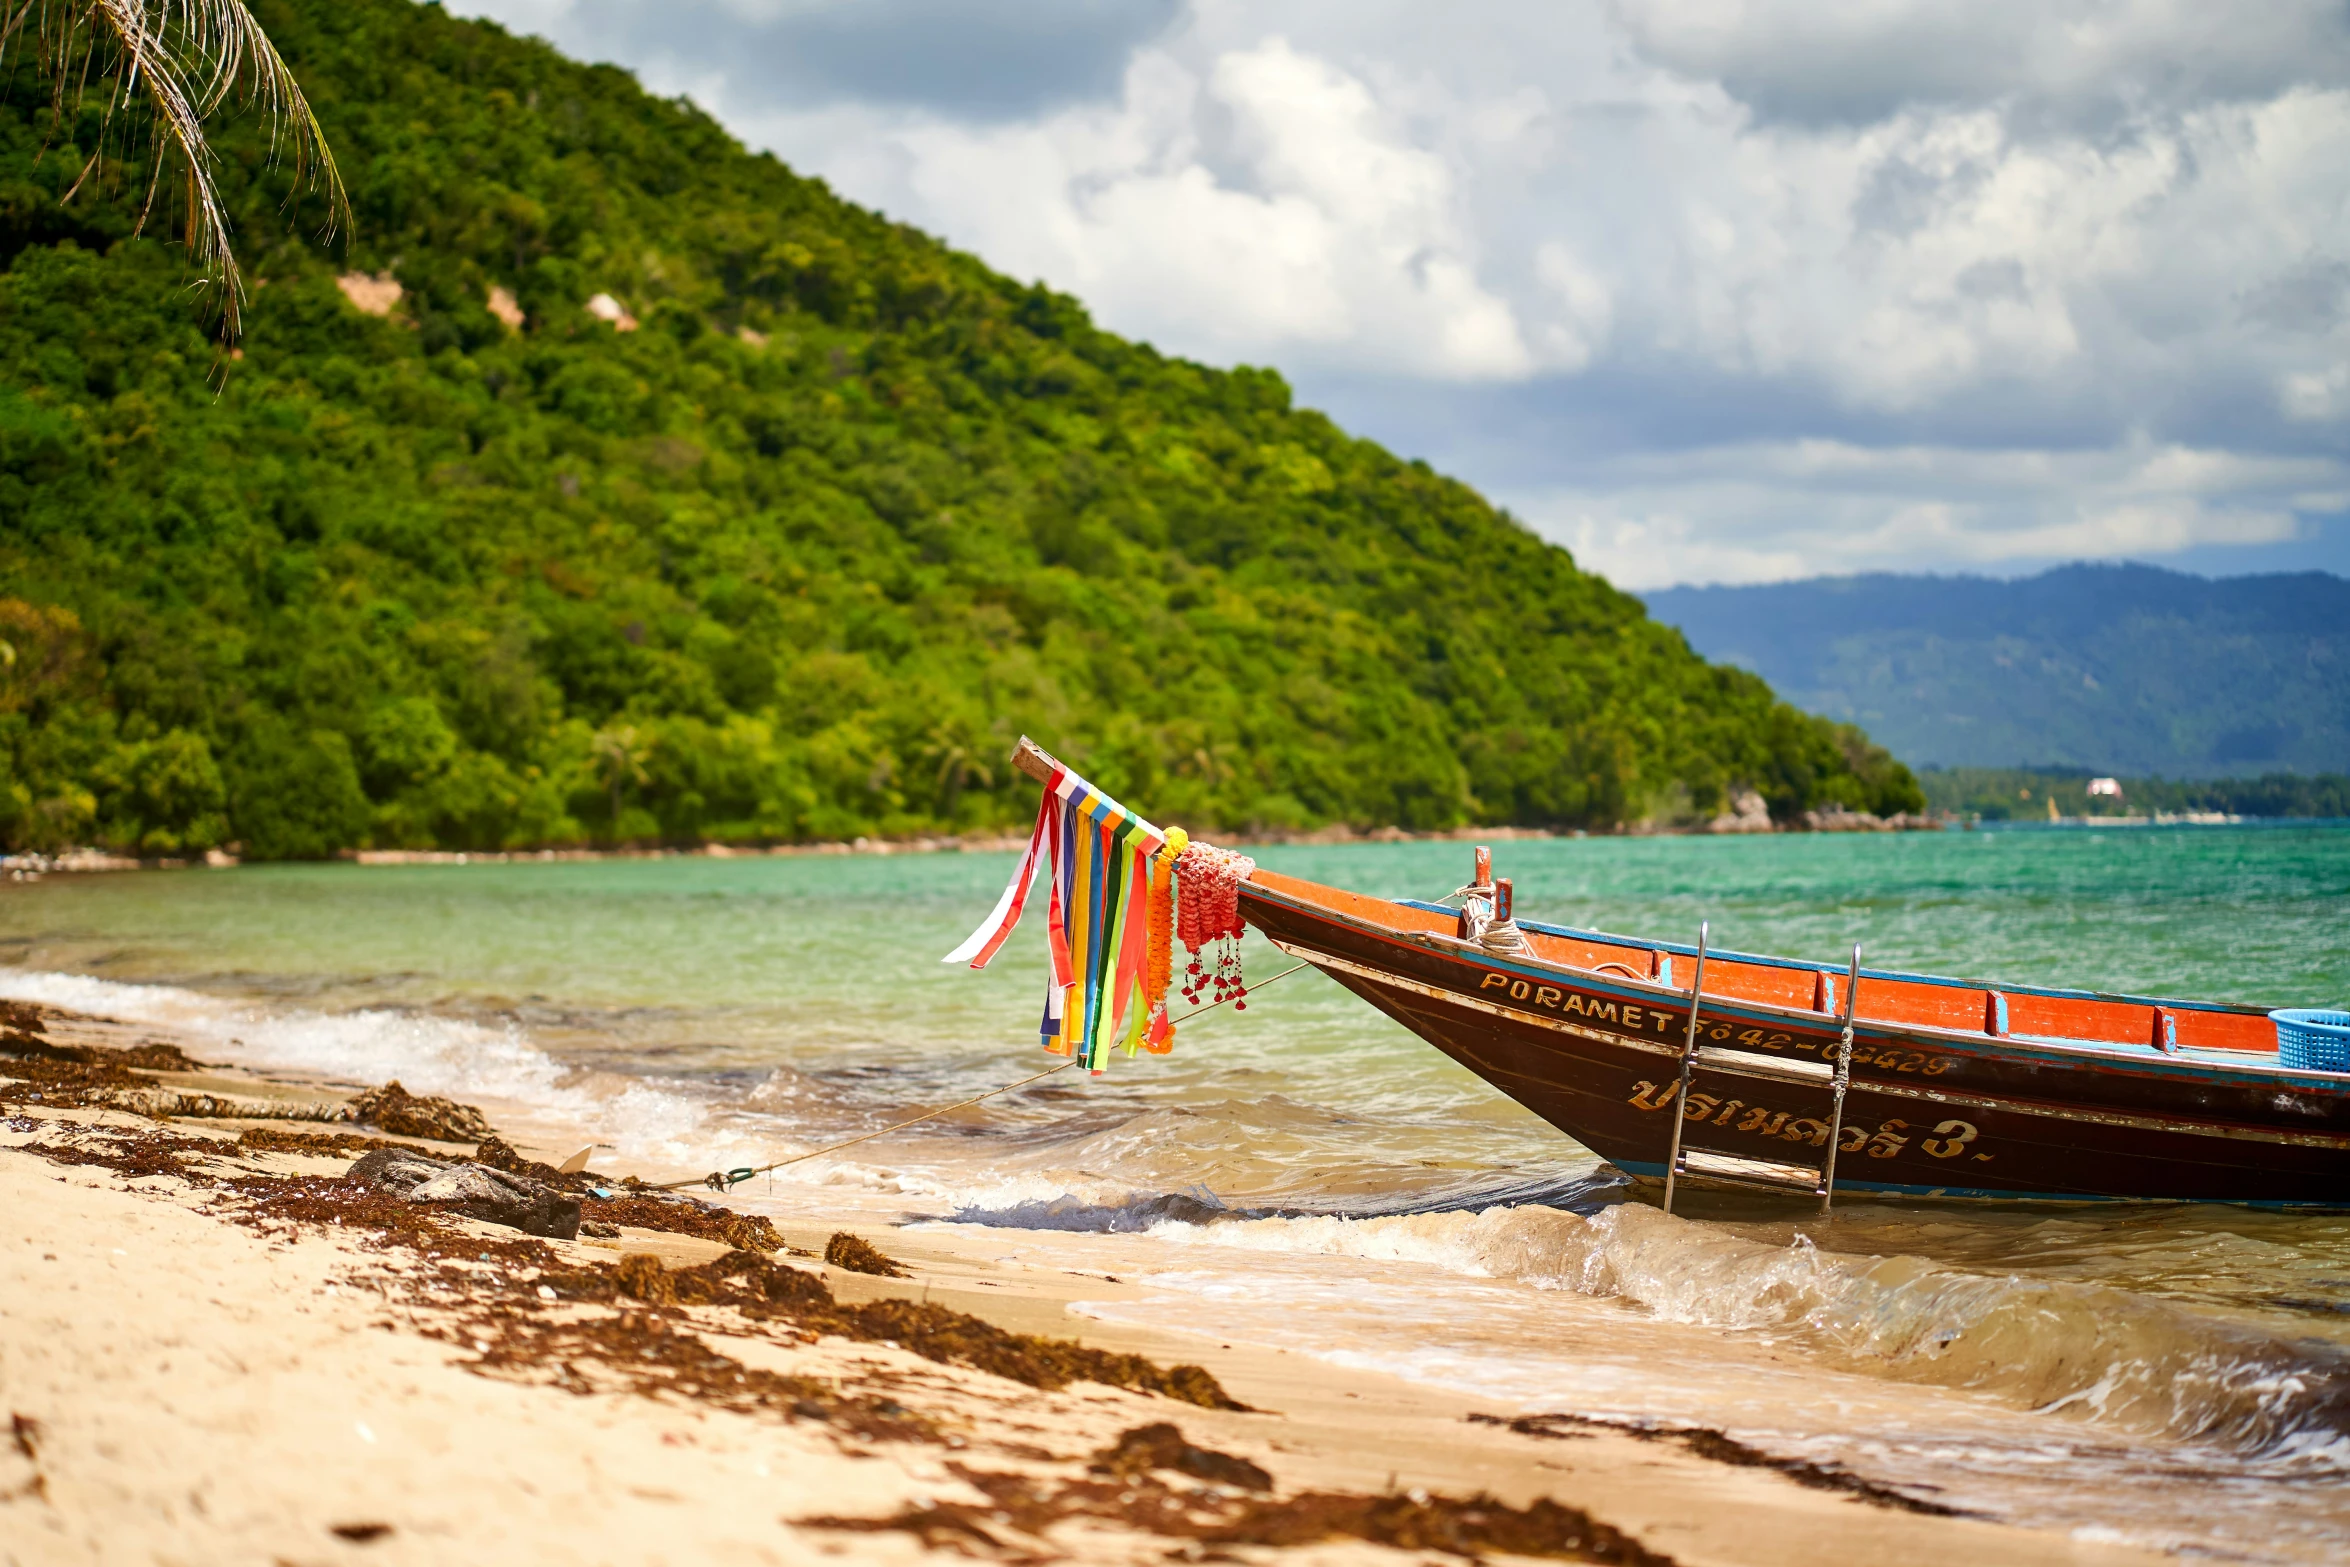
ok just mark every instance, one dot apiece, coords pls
pixel 692 1012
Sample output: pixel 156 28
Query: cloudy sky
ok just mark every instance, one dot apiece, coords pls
pixel 1708 290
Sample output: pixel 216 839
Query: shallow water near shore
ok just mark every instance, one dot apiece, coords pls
pixel 1306 1174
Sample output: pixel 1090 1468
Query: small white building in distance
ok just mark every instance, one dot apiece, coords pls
pixel 2106 786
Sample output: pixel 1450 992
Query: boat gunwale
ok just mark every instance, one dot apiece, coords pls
pixel 1835 971
pixel 2015 1047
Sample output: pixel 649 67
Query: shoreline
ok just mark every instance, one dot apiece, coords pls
pixel 31 866
pixel 207 1357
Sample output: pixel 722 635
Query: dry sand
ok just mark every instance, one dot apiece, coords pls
pixel 182 1382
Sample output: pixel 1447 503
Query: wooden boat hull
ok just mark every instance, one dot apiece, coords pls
pixel 1934 1110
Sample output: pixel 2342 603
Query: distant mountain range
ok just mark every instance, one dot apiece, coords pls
pixel 2121 669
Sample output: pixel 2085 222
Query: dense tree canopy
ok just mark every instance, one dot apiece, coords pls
pixel 796 557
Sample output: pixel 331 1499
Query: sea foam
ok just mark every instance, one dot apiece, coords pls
pixel 456 1057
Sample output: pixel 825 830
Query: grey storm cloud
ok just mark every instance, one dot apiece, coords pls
pixel 2081 63
pixel 983 62
pixel 1706 289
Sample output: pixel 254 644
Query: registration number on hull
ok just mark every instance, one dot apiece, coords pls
pixel 1643 1019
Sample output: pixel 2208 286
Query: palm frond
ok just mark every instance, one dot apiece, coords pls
pixel 181 61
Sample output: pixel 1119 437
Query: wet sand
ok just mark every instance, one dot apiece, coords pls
pixel 198 1363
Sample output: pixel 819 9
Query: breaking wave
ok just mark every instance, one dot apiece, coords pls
pixel 1264 1156
pixel 2075 1350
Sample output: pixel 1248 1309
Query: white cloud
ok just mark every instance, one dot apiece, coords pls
pixel 2317 394
pixel 1758 513
pixel 1262 208
pixel 1583 308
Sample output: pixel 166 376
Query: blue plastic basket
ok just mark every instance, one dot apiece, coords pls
pixel 2313 1041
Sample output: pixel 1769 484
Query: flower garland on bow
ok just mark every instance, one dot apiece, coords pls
pixel 1208 919
pixel 1112 917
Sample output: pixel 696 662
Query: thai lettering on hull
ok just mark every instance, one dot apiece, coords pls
pixel 1951 1138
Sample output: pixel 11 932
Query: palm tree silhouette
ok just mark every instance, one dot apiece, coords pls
pixel 620 755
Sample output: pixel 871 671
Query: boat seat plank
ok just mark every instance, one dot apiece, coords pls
pixel 1748 1063
pixel 1749 1172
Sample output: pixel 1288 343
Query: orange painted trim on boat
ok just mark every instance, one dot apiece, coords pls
pixel 1955 1007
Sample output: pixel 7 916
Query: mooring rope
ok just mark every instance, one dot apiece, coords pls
pixel 725 1180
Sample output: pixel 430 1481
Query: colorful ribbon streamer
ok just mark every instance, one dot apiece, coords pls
pixel 983 944
pixel 1109 877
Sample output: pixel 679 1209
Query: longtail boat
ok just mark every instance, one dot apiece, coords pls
pixel 1677 1064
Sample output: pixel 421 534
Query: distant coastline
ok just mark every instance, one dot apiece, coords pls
pixel 2025 793
pixel 1956 797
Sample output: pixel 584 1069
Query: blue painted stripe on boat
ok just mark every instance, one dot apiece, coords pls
pixel 1845 1188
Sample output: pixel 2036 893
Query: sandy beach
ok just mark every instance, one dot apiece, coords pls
pixel 215 1345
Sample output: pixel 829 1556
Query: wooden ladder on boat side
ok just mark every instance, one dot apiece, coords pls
pixel 1743 1169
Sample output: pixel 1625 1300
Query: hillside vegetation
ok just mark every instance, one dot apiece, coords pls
pixel 2107 669
pixel 797 557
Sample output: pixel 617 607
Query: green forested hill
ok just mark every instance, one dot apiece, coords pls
pixel 798 558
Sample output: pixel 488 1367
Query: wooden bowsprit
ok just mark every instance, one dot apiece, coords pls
pixel 1034 760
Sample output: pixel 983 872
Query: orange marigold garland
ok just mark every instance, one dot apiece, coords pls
pixel 1207 918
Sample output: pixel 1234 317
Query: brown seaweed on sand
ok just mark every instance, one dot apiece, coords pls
pixel 671 1213
pixel 133 1154
pixel 1162 1446
pixel 1469 1527
pixel 759 1288
pixel 770 1291
pixel 404 1114
pixel 337 1145
pixel 938 1332
pixel 499 1154
pixel 24 1030
pixel 1708 1443
pixel 859 1255
pixel 63 1085
pixel 501 1290
pixel 686 1216
pixel 380 1219
pixel 153 1056
pixel 646 1353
